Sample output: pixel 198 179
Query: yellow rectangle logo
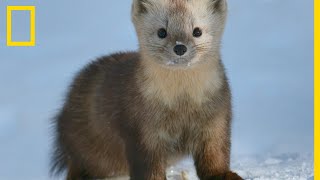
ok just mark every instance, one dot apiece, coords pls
pixel 32 10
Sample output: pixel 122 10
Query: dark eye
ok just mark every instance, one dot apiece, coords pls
pixel 162 33
pixel 197 32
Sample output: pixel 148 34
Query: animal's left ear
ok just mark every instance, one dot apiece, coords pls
pixel 140 7
pixel 218 5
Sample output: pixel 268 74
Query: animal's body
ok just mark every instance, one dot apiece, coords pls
pixel 137 113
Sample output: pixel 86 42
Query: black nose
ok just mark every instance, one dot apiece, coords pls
pixel 180 49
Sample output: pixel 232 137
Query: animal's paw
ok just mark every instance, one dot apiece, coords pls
pixel 227 176
pixel 232 176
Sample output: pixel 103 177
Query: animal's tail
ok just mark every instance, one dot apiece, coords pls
pixel 58 159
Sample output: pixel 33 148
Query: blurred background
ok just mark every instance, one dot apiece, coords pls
pixel 267 50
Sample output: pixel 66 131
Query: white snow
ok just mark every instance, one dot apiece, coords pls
pixel 171 63
pixel 178 43
pixel 281 167
pixel 271 161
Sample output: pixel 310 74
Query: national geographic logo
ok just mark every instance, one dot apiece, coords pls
pixel 32 10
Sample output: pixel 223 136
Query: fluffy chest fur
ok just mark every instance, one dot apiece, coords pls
pixel 176 105
pixel 176 128
pixel 172 86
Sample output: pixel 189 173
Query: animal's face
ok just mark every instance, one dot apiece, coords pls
pixel 179 33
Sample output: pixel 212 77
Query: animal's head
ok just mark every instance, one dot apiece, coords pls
pixel 179 33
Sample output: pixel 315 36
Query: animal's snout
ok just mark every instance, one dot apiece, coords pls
pixel 180 50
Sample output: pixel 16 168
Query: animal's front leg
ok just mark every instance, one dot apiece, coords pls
pixel 212 155
pixel 145 164
pixel 212 163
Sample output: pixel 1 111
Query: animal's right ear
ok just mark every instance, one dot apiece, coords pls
pixel 140 7
pixel 218 5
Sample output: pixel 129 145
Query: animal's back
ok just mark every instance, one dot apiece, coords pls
pixel 86 142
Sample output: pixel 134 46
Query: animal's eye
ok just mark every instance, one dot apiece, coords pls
pixel 197 32
pixel 162 33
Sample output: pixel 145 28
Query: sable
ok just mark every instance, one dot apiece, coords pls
pixel 136 113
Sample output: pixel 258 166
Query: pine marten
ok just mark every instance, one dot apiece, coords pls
pixel 134 114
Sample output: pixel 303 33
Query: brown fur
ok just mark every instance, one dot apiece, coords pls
pixel 126 114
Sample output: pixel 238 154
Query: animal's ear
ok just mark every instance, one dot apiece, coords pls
pixel 218 5
pixel 140 7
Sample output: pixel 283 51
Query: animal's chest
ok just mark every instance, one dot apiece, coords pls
pixel 178 129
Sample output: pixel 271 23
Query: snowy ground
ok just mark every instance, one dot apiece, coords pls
pixel 282 167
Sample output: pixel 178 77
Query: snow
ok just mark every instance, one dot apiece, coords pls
pixel 268 54
pixel 291 166
pixel 178 43
pixel 281 167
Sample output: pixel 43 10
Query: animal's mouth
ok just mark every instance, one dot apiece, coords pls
pixel 179 62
